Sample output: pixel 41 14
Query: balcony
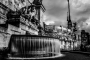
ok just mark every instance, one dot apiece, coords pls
pixel 13 22
pixel 4 25
pixel 13 18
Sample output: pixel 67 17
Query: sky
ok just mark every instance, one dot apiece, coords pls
pixel 56 12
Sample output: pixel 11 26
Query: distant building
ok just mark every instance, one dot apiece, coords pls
pixel 84 37
pixel 49 30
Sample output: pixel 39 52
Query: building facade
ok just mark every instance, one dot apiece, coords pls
pixel 3 25
pixel 25 20
pixel 84 39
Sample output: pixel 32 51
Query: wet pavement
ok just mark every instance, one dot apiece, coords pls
pixel 68 56
pixel 74 56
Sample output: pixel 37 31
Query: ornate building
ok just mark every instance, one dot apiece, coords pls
pixel 3 25
pixel 26 20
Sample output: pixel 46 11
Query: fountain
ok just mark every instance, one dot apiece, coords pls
pixel 33 47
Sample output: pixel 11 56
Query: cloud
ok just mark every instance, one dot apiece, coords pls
pixel 86 25
pixel 50 22
pixel 56 10
pixel 80 12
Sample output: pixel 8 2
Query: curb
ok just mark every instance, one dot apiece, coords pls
pixel 79 52
pixel 37 58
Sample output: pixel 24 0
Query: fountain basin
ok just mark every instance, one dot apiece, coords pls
pixel 33 47
pixel 36 58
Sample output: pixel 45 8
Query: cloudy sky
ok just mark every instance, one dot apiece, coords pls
pixel 56 12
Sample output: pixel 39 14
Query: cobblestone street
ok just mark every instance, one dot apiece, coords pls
pixel 73 56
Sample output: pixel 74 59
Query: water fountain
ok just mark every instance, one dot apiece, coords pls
pixel 33 47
